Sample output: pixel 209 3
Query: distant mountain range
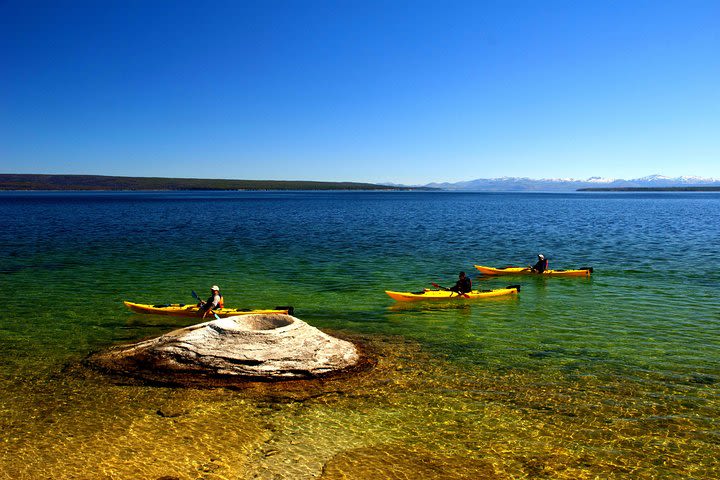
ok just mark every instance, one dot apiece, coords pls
pixel 516 184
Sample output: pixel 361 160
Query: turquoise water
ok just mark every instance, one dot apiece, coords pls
pixel 614 375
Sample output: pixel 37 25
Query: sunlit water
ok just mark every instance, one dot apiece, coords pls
pixel 616 376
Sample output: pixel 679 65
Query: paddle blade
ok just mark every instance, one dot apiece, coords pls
pixel 195 295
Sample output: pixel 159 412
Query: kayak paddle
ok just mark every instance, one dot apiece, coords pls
pixel 465 295
pixel 438 286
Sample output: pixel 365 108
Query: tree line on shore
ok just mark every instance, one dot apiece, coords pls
pixel 103 182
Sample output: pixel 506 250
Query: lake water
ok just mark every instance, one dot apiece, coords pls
pixel 614 376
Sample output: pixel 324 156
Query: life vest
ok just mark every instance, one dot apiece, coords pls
pixel 221 304
pixel 541 265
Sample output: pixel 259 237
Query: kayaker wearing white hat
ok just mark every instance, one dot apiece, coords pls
pixel 215 300
pixel 541 265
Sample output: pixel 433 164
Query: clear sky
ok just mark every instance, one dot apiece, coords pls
pixel 360 90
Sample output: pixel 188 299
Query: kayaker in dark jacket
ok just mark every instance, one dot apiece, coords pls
pixel 215 300
pixel 541 265
pixel 463 285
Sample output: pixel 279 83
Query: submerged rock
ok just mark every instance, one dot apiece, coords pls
pixel 249 347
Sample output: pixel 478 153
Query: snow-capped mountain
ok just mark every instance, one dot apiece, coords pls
pixel 524 184
pixel 663 181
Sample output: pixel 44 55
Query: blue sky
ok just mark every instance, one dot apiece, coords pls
pixel 400 91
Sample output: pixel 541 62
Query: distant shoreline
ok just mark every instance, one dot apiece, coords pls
pixel 42 182
pixel 650 189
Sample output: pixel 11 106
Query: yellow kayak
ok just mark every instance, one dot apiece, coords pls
pixel 580 272
pixel 182 310
pixel 447 295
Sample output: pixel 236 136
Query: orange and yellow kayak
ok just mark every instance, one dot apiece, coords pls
pixel 447 295
pixel 182 310
pixel 580 272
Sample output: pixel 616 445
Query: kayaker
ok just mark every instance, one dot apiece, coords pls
pixel 541 265
pixel 463 285
pixel 215 300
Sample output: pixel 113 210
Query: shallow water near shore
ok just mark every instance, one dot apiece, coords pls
pixel 614 376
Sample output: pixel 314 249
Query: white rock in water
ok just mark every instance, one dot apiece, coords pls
pixel 272 346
